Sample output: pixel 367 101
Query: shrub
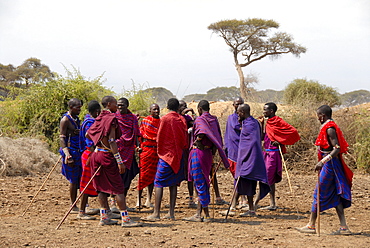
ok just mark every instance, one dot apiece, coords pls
pixel 37 110
pixel 302 92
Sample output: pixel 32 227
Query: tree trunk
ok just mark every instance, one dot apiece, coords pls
pixel 243 88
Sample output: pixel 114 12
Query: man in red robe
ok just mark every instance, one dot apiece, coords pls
pixel 104 133
pixel 171 141
pixel 148 153
pixel 276 135
pixel 335 178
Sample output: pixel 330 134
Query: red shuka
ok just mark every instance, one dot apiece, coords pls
pixel 322 141
pixel 172 139
pixel 279 130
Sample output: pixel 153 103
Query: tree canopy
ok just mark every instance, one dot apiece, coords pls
pixel 305 92
pixel 355 97
pixel 250 40
pixel 30 71
pixel 37 110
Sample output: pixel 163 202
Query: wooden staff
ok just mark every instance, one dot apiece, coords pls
pixel 70 209
pixel 318 204
pixel 231 202
pixel 213 189
pixel 287 175
pixel 33 198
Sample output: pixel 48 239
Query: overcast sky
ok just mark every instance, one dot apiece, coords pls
pixel 166 43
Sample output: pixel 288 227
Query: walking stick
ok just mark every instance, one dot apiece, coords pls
pixel 287 174
pixel 231 202
pixel 213 189
pixel 70 209
pixel 33 198
pixel 318 204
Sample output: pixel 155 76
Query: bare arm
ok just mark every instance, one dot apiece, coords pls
pixel 62 137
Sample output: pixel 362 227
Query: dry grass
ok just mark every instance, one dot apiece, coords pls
pixel 24 156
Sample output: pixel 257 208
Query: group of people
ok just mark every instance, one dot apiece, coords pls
pixel 178 147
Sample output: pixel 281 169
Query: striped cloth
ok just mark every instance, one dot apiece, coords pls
pixel 200 183
pixel 148 156
pixel 334 188
pixel 166 177
pixel 72 174
pixel 86 175
pixel 129 127
pixel 148 166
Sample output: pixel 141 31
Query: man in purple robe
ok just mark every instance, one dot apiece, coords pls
pixel 206 140
pixel 250 166
pixel 232 136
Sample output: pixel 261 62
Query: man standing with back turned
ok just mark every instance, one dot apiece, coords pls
pixel 171 141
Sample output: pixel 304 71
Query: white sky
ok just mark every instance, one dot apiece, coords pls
pixel 166 43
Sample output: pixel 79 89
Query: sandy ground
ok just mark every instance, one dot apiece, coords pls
pixel 269 229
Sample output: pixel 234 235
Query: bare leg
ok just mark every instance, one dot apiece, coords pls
pixel 272 196
pixel 258 198
pixel 150 193
pixel 215 187
pixel 121 202
pixel 235 200
pixel 73 191
pixel 340 213
pixel 173 195
pixel 191 189
pixel 158 200
pixel 139 194
pixel 250 202
pixel 84 200
pixel 103 200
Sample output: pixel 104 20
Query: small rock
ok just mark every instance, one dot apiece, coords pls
pixel 147 232
pixel 128 233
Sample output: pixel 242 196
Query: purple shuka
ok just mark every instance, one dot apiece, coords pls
pixel 250 164
pixel 208 124
pixel 273 162
pixel 232 136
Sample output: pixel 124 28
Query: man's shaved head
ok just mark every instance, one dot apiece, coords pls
pixel 326 110
pixel 106 100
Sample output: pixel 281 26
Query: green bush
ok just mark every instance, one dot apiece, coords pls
pixel 304 92
pixel 37 110
pixel 140 98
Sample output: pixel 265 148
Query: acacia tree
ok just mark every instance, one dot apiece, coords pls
pixel 249 41
pixel 32 71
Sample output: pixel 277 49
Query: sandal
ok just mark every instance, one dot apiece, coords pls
pixel 342 231
pixel 249 213
pixel 306 229
pixel 194 218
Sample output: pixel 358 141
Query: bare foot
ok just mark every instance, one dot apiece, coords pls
pixel 151 218
pixel 168 217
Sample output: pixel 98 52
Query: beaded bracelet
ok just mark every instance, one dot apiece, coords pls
pixel 326 159
pixel 118 158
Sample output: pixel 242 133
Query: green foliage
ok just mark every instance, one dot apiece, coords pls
pixel 30 71
pixel 308 92
pixel 194 97
pixel 139 97
pixel 359 131
pixel 222 94
pixel 37 110
pixel 160 95
pixel 249 41
pixel 269 95
pixel 355 97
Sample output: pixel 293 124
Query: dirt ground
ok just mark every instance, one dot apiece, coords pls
pixel 269 229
